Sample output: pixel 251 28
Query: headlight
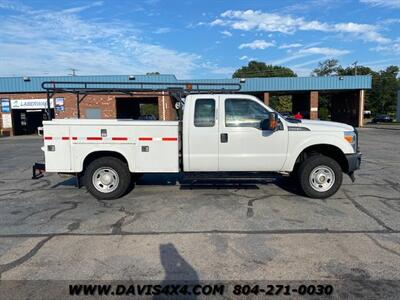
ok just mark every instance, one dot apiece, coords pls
pixel 351 137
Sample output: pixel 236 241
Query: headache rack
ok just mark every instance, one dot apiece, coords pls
pixel 177 90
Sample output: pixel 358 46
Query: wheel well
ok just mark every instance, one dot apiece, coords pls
pixel 97 154
pixel 327 150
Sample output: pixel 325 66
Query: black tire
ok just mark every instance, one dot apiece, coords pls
pixel 122 172
pixel 309 165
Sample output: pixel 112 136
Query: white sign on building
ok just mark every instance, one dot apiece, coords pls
pixel 31 104
pixel 7 123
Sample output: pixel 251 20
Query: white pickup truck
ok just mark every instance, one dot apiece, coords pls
pixel 218 133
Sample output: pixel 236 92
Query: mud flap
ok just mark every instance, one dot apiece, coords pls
pixel 351 175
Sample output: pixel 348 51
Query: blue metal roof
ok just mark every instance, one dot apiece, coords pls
pixel 272 84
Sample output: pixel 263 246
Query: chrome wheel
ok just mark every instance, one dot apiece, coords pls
pixel 105 180
pixel 322 178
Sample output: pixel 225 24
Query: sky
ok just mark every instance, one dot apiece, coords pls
pixel 193 39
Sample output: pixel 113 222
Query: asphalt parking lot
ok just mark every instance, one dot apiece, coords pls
pixel 258 229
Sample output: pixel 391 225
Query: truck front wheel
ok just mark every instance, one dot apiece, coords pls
pixel 107 178
pixel 320 176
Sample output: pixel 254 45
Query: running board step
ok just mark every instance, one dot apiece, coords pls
pixel 228 175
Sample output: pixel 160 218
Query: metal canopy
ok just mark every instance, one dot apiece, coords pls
pixel 175 89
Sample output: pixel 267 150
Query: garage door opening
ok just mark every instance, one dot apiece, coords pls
pixel 137 108
pixel 27 121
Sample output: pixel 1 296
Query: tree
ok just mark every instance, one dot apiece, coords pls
pixel 361 70
pixel 282 103
pixel 260 69
pixel 383 96
pixel 327 67
pixel 331 67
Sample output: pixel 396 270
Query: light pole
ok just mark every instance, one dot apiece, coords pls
pixel 355 67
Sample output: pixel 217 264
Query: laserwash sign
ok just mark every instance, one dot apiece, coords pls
pixel 31 104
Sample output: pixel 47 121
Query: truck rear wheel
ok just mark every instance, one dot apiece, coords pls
pixel 320 176
pixel 107 178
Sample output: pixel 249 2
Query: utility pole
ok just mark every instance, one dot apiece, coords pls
pixel 73 71
pixel 355 67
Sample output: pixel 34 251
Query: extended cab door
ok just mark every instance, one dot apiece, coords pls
pixel 243 146
pixel 202 135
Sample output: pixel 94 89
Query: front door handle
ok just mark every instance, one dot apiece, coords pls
pixel 224 137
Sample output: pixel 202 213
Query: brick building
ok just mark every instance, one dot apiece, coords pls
pixel 24 102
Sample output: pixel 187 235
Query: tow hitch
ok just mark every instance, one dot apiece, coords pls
pixel 38 169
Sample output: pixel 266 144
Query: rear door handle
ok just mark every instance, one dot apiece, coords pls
pixel 224 137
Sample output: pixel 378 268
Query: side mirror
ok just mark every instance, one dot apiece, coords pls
pixel 271 123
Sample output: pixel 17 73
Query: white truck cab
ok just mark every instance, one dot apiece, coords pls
pixel 218 133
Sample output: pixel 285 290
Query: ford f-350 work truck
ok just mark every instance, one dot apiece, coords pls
pixel 218 133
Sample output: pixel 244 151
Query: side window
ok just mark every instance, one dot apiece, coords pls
pixel 204 113
pixel 244 113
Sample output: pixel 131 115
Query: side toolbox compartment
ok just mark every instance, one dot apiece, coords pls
pixel 157 149
pixel 57 147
